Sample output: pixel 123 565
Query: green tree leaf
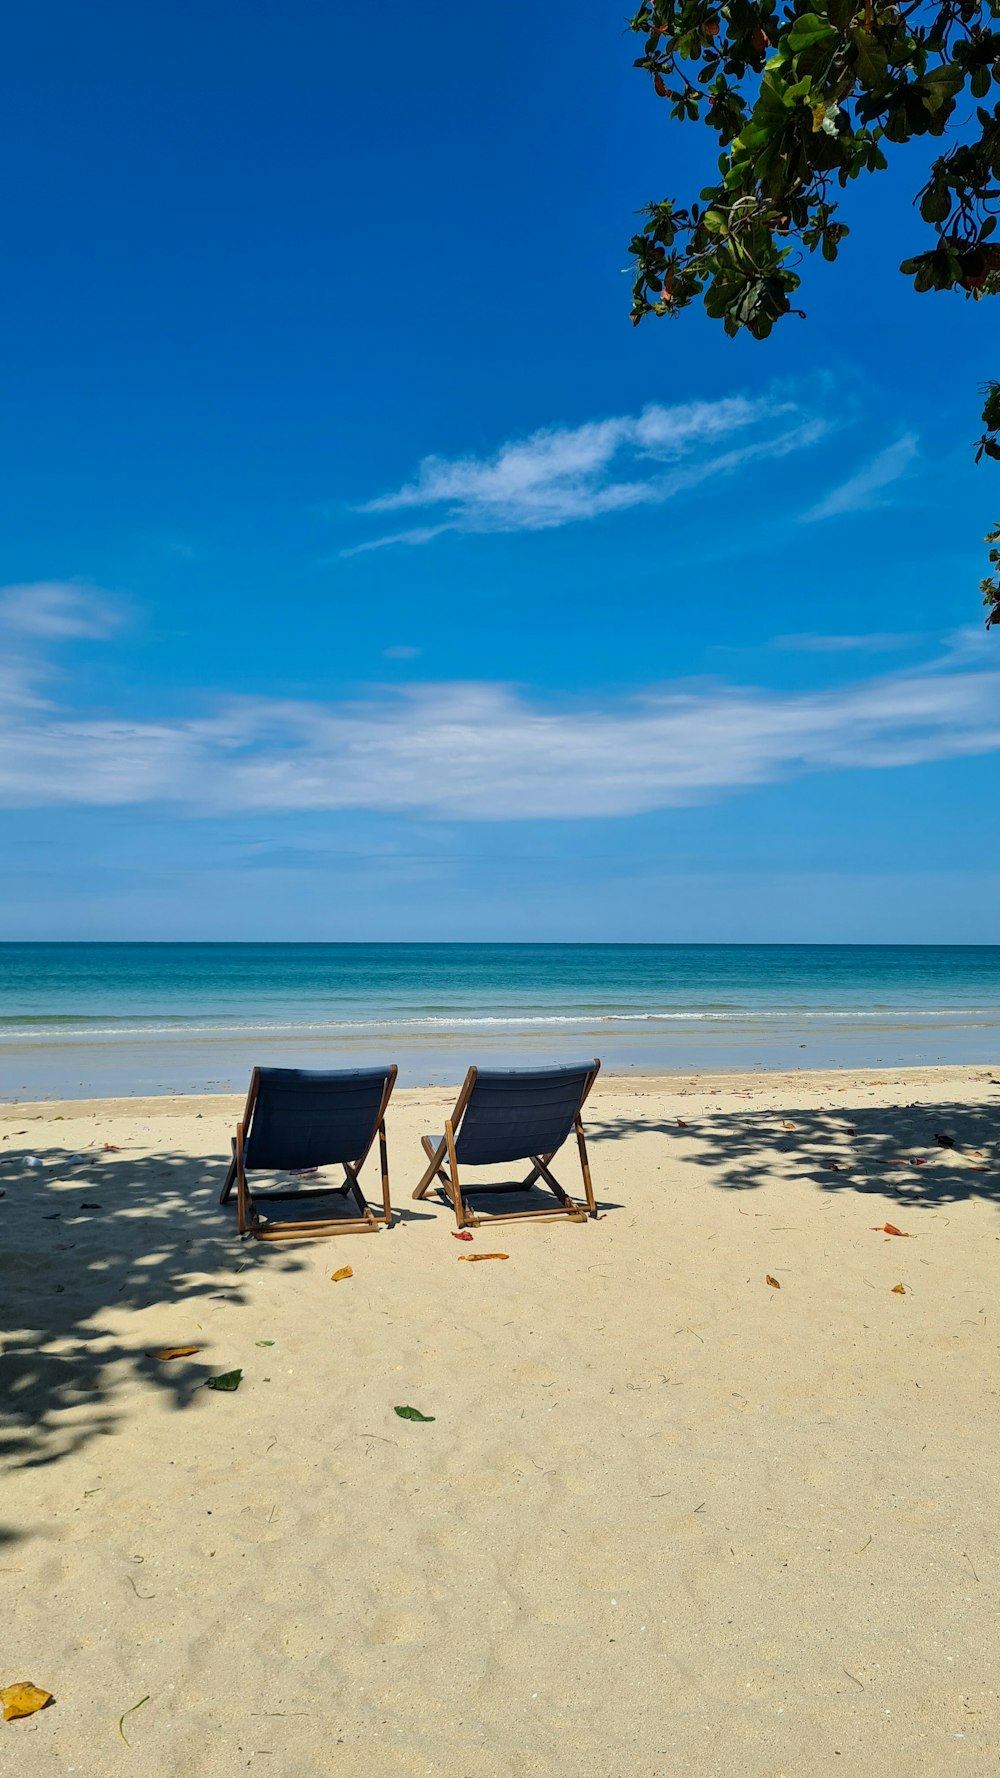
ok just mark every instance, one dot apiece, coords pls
pixel 808 29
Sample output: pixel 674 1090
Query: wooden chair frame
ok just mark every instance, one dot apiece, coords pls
pixel 369 1221
pixel 466 1218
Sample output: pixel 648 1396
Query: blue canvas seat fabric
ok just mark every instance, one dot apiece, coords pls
pixel 515 1113
pixel 308 1118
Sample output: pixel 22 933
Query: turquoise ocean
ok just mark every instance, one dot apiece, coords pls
pixel 82 1019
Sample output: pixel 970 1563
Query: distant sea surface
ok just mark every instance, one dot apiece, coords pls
pixel 95 1019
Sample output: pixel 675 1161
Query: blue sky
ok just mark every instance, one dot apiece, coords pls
pixel 365 574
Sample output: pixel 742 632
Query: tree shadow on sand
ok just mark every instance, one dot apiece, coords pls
pixel 892 1152
pixel 82 1238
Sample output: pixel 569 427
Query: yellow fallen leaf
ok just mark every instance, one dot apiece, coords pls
pixel 472 1258
pixel 786 1124
pixel 773 1282
pixel 345 1272
pixel 23 1699
pixel 899 1290
pixel 165 1352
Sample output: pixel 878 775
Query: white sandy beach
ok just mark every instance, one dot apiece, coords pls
pixel 667 1519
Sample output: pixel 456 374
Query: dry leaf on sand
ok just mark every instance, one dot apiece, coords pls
pixel 23 1699
pixel 344 1272
pixel 165 1352
pixel 773 1282
pixel 899 1290
pixel 889 1228
pixel 471 1258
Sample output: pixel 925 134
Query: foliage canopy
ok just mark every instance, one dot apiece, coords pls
pixel 803 98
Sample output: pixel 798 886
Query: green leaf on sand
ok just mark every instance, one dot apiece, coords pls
pixel 128 1712
pixel 413 1414
pixel 263 1342
pixel 229 1381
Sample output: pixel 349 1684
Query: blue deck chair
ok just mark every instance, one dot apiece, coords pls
pixel 297 1118
pixel 512 1114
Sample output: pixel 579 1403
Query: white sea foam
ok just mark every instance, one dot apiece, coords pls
pixel 13 1033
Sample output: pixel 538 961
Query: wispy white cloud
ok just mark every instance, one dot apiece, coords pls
pixel 972 645
pixel 863 490
pixel 563 474
pixel 488 752
pixel 808 643
pixel 57 610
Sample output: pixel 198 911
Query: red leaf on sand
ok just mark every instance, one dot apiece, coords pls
pixel 889 1228
pixel 460 1235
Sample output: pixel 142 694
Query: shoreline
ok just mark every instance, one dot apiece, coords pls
pixel 202 1066
pixel 610 1082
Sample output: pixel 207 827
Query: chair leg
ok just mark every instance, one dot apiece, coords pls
pixel 435 1169
pixel 463 1217
pixel 569 1204
pixel 353 1185
pixel 246 1215
pixel 230 1179
pixel 585 1168
pixel 384 1160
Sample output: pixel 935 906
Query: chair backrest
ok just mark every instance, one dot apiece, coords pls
pixel 513 1113
pixel 310 1118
